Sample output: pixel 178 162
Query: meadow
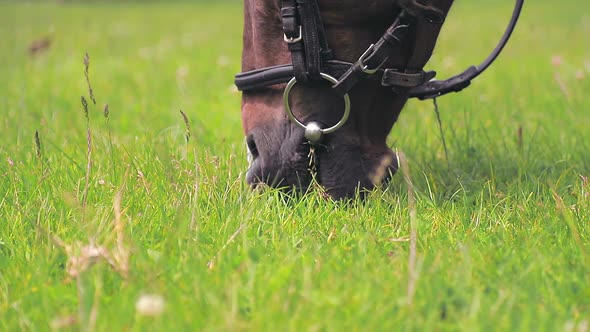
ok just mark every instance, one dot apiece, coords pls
pixel 133 217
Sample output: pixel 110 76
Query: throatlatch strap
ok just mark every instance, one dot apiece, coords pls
pixel 428 13
pixel 427 24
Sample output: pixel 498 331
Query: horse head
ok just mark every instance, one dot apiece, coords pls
pixel 355 156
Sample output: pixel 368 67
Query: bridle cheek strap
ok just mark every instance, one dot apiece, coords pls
pixel 293 36
pixel 306 38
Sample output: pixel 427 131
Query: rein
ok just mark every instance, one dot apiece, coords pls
pixel 312 60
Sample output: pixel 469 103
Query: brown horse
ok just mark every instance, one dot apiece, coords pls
pixel 355 157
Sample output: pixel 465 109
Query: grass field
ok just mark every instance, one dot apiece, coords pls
pixel 148 231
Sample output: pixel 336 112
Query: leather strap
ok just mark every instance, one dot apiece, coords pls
pixel 422 11
pixel 261 78
pixel 377 55
pixel 461 81
pixel 306 38
pixel 311 39
pixel 426 29
pixel 325 51
pixel 393 78
pixel 293 37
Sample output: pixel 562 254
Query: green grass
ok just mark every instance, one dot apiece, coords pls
pixel 503 239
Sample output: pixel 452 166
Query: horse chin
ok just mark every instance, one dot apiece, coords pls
pixel 290 181
pixel 352 172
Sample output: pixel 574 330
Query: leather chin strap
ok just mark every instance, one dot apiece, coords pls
pixel 305 35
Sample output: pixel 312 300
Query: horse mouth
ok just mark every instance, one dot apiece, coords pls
pixel 341 173
pixel 348 172
pixel 282 166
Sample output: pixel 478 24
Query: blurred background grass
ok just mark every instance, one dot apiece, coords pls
pixel 498 249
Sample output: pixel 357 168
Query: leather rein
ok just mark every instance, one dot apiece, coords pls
pixel 312 59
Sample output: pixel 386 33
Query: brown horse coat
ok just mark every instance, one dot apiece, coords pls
pixel 356 156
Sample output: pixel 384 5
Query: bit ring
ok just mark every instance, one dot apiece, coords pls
pixel 294 119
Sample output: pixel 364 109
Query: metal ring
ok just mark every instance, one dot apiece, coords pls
pixel 292 117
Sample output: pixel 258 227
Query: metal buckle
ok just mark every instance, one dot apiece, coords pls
pixel 361 61
pixel 292 40
pixel 313 132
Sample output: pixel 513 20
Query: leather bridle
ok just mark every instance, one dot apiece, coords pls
pixel 312 60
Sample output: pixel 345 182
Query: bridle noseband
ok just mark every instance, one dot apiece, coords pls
pixel 312 60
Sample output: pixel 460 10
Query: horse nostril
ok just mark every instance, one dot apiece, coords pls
pixel 252 149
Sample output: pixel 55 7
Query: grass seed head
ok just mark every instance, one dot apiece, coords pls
pixel 187 126
pixel 86 62
pixel 85 107
pixel 38 145
pixel 87 76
